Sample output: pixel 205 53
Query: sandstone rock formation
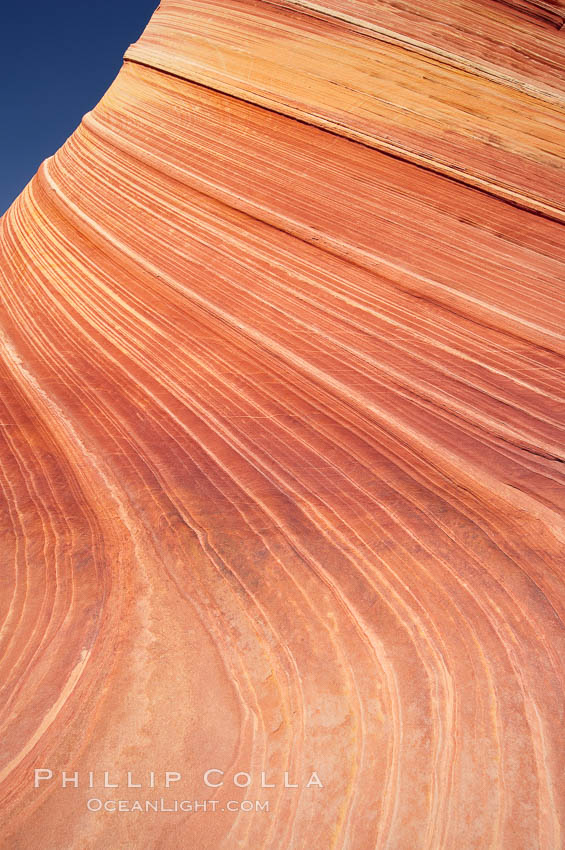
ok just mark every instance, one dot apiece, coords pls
pixel 282 437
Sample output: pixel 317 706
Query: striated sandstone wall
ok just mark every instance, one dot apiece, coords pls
pixel 282 439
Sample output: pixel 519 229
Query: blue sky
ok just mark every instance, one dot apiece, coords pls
pixel 57 58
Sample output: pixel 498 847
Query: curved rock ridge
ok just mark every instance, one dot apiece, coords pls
pixel 462 119
pixel 282 440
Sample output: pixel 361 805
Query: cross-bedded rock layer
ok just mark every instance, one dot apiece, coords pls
pixel 282 445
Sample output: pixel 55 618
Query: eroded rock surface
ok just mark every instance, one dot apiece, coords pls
pixel 282 437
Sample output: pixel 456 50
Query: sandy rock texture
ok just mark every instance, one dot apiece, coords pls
pixel 282 439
